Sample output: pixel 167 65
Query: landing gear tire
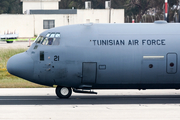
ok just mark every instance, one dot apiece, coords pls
pixel 63 92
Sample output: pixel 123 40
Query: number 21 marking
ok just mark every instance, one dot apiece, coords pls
pixel 56 58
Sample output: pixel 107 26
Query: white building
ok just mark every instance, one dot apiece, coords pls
pixel 40 5
pixel 37 21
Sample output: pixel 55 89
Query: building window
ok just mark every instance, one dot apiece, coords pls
pixel 48 24
pixel 87 20
pixel 97 20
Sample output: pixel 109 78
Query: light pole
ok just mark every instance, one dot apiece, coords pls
pixel 166 10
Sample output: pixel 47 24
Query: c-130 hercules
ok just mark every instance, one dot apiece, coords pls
pixel 103 56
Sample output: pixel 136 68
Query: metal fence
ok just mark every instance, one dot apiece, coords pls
pixel 145 18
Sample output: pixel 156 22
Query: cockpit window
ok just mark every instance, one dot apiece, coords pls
pixel 45 41
pixel 42 40
pixel 56 41
pixel 39 39
pixel 52 35
pixel 57 35
pixel 48 34
pixel 50 39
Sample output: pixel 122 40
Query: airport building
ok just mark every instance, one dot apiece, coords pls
pixel 40 15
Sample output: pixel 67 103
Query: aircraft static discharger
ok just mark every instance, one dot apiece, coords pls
pixel 103 56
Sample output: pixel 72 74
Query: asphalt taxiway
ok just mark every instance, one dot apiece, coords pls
pixel 14 45
pixel 42 103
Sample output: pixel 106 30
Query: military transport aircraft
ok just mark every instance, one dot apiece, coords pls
pixel 103 56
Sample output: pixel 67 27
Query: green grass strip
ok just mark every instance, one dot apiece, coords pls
pixel 20 39
pixel 10 81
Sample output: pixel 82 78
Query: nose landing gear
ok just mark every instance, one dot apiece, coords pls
pixel 63 92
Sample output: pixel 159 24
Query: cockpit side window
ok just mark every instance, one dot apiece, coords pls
pixel 56 41
pixel 42 40
pixel 39 39
pixel 45 41
pixel 50 41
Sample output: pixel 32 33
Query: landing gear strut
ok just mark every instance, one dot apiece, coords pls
pixel 63 92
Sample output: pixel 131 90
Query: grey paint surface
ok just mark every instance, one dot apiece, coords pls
pixel 127 51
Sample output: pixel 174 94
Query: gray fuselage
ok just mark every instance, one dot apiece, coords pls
pixel 105 56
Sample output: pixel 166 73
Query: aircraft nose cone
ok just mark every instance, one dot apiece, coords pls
pixel 21 65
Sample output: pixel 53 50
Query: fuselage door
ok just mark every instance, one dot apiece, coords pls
pixel 89 71
pixel 171 63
